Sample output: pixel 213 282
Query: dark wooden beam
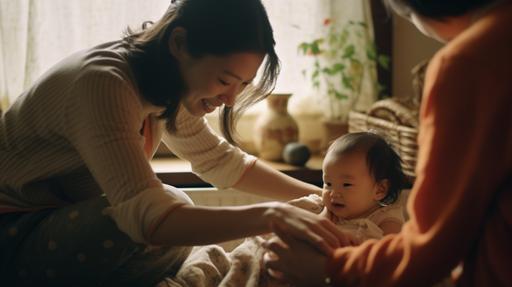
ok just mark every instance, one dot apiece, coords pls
pixel 383 28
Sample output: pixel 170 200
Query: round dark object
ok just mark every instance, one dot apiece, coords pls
pixel 296 154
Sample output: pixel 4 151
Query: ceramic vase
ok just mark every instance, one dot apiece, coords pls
pixel 275 128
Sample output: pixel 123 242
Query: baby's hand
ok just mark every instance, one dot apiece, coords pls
pixel 353 239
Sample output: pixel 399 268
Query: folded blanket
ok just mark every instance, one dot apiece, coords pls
pixel 211 266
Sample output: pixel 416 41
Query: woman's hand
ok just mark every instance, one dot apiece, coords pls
pixel 295 262
pixel 319 232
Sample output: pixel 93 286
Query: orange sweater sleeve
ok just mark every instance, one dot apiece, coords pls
pixel 464 158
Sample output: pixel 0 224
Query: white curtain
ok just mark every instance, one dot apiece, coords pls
pixel 359 10
pixel 35 34
pixel 296 21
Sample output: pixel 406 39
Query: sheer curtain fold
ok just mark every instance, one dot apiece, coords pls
pixel 360 11
pixel 13 48
pixel 35 34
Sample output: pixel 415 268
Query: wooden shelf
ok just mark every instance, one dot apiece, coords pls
pixel 177 172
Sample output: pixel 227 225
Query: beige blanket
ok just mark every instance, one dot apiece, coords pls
pixel 210 265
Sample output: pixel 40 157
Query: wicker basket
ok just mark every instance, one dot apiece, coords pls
pixel 402 138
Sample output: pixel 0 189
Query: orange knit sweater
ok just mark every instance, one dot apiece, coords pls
pixel 461 202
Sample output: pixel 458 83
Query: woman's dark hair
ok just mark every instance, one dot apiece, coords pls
pixel 382 160
pixel 436 9
pixel 214 27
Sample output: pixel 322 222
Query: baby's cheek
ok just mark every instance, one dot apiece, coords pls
pixel 326 197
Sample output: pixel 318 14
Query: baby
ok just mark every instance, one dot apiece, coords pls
pixel 363 179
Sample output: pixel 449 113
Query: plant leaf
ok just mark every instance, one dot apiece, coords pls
pixel 383 61
pixel 340 96
pixel 315 74
pixel 327 71
pixel 349 51
pixel 371 52
pixel 347 82
pixel 315 46
pixel 303 47
pixel 338 67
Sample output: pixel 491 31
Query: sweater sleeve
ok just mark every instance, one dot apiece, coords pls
pixel 212 158
pixel 458 173
pixel 103 121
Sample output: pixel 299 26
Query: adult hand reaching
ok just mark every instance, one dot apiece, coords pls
pixel 305 242
pixel 322 234
pixel 295 262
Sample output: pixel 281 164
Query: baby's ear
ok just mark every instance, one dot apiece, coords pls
pixel 382 189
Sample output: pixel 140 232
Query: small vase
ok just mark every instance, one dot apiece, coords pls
pixel 275 128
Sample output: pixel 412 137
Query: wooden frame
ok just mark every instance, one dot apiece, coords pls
pixel 383 30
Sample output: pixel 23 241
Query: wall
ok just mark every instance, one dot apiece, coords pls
pixel 409 48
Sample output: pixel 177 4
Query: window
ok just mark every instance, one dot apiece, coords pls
pixel 34 35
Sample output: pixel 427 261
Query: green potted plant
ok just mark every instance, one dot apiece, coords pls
pixel 343 59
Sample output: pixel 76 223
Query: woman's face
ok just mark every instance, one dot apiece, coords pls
pixel 349 190
pixel 212 81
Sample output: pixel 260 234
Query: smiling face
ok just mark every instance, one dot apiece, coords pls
pixel 212 81
pixel 349 190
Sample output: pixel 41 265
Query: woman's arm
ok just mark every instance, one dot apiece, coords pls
pixel 198 225
pixel 263 180
pixel 224 165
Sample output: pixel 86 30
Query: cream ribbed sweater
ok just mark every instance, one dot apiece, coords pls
pixel 76 134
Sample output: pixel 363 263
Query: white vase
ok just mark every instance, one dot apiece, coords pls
pixel 275 128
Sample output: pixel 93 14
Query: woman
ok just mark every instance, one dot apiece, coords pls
pixel 462 197
pixel 79 201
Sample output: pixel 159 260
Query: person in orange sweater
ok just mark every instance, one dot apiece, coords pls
pixel 461 203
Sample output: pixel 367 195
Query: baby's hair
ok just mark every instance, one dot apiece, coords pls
pixel 382 160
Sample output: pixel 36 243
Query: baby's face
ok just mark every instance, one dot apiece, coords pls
pixel 349 190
